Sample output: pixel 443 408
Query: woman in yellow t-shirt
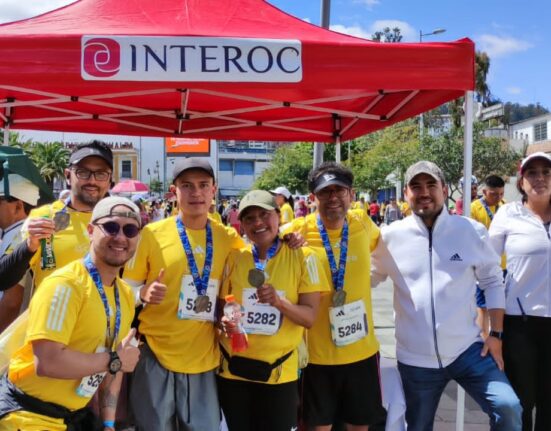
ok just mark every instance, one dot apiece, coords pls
pixel 279 291
pixel 285 202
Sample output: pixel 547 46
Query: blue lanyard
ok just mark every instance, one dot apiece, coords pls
pixel 487 208
pixel 337 274
pixel 201 282
pixel 93 271
pixel 271 253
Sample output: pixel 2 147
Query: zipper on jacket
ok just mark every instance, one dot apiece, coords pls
pixel 432 301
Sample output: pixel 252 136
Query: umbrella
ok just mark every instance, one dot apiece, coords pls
pixel 130 186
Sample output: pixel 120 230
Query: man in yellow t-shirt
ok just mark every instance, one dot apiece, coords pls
pixel 483 211
pixel 65 358
pixel 178 364
pixel 89 177
pixel 341 382
pixel 285 202
pixel 277 309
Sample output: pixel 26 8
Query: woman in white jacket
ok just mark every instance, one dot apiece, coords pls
pixel 521 231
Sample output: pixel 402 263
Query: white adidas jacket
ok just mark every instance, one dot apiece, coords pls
pixel 435 274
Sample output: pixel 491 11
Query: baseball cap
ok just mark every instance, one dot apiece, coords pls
pixel 533 156
pixel 105 208
pixel 281 191
pixel 21 188
pixel 331 179
pixel 90 150
pixel 188 163
pixel 474 181
pixel 257 198
pixel 424 167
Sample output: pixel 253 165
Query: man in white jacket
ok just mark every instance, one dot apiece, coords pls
pixel 434 260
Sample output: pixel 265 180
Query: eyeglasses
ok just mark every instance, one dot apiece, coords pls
pixel 326 193
pixel 85 174
pixel 112 228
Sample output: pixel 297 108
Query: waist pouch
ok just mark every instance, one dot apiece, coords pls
pixel 12 399
pixel 252 369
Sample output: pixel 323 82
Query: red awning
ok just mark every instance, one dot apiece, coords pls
pixel 219 69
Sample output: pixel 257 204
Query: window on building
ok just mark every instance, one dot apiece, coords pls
pixel 225 166
pixel 126 169
pixel 540 132
pixel 244 167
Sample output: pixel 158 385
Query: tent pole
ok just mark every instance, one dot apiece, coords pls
pixel 467 173
pixel 325 16
pixel 338 150
pixel 7 127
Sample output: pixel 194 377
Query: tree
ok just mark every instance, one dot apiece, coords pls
pixel 514 112
pixel 387 35
pixel 156 186
pixel 289 167
pixel 51 159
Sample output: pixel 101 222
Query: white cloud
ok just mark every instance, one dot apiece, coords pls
pixel 514 90
pixel 354 30
pixel 18 9
pixel 368 3
pixel 501 46
pixel 406 30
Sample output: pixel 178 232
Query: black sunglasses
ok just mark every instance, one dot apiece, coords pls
pixel 112 228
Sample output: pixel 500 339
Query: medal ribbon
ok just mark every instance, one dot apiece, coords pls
pixel 93 271
pixel 337 274
pixel 487 208
pixel 201 282
pixel 271 252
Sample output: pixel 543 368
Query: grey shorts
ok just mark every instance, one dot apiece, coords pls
pixel 164 400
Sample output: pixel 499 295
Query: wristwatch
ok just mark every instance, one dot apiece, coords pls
pixel 115 363
pixel 497 334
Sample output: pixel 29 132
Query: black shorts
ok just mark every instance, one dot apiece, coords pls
pixel 251 406
pixel 349 393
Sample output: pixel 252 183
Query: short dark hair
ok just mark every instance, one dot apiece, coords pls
pixel 328 168
pixel 494 181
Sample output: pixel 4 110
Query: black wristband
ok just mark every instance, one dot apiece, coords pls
pixel 497 334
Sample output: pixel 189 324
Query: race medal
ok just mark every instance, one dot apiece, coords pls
pixel 201 303
pixel 256 277
pixel 339 298
pixel 61 221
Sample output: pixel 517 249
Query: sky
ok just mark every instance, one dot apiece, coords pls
pixel 516 35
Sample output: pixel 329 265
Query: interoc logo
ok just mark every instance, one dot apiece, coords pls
pixel 101 57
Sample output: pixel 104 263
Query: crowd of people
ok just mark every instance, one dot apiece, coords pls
pixel 126 321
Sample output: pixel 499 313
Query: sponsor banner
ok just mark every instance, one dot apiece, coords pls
pixel 185 147
pixel 190 59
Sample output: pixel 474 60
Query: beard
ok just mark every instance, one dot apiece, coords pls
pixel 84 198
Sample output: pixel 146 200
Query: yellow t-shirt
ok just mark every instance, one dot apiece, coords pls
pixel 215 216
pixel 69 244
pixel 180 345
pixel 479 213
pixel 286 213
pixel 406 210
pixel 362 240
pixel 291 271
pixel 62 310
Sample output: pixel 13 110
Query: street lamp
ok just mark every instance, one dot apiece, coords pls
pixel 421 34
pixel 435 31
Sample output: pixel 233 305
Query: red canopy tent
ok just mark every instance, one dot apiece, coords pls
pixel 238 69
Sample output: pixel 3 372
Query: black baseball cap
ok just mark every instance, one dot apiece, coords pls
pixel 188 163
pixel 330 179
pixel 89 150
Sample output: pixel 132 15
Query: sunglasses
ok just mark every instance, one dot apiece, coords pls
pixel 112 228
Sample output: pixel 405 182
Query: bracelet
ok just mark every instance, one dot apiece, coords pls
pixel 109 424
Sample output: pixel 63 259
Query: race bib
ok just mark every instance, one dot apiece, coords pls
pixel 90 384
pixel 260 318
pixel 348 323
pixel 188 294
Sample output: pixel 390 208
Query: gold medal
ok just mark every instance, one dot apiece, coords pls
pixel 256 277
pixel 201 303
pixel 339 298
pixel 61 221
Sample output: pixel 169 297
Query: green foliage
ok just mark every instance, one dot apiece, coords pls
pixel 515 112
pixel 156 186
pixel 289 168
pixel 387 35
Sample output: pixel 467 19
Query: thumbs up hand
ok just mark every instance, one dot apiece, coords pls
pixel 155 292
pixel 128 352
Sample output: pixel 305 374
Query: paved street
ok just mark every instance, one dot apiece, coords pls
pixel 475 419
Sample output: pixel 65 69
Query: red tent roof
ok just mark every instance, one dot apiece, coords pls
pixel 56 73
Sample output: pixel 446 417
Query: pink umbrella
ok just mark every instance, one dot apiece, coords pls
pixel 130 186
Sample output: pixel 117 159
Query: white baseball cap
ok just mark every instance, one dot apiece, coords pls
pixel 21 188
pixel 537 155
pixel 281 191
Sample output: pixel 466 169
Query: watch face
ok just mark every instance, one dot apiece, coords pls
pixel 115 365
